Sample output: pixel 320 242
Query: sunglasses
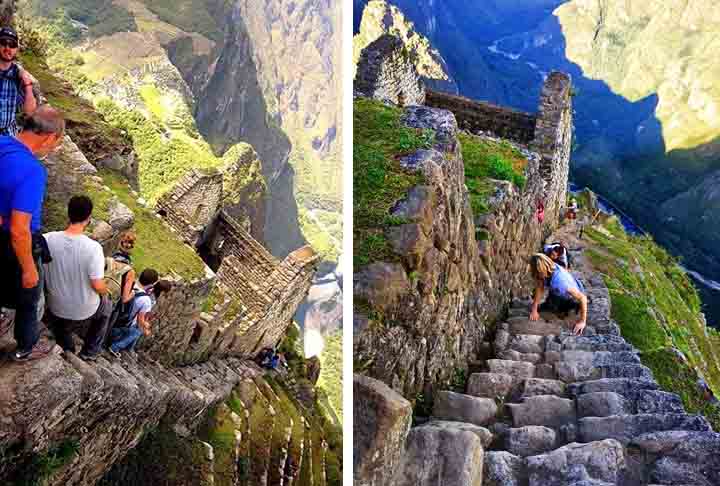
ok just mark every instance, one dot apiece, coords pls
pixel 8 43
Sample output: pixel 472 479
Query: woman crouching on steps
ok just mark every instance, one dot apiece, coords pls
pixel 566 293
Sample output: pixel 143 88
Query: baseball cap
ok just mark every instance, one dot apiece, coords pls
pixel 8 33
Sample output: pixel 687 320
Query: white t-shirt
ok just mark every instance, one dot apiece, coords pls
pixel 140 304
pixel 76 260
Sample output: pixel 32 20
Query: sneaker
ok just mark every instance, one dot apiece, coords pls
pixel 40 350
pixel 115 353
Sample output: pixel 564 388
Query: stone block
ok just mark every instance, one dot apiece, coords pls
pixel 504 469
pixel 490 385
pixel 597 461
pixel 381 422
pixel 548 410
pixel 464 408
pixel 441 456
pixel 602 404
pixel 538 386
pixel 530 440
pixel 624 428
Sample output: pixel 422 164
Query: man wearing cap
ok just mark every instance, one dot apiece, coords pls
pixel 16 84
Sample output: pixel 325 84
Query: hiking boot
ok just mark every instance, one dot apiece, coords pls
pixel 88 357
pixel 40 350
pixel 6 322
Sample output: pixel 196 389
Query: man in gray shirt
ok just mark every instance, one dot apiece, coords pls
pixel 76 291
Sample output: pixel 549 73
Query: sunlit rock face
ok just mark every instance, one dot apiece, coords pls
pixel 379 17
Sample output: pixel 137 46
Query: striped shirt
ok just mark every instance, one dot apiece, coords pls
pixel 10 100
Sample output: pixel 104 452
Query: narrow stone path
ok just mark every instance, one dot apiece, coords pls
pixel 554 409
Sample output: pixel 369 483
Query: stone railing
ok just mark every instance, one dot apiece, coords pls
pixel 478 116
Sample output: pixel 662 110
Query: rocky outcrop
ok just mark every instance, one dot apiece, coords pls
pixel 436 306
pixel 385 71
pixel 379 18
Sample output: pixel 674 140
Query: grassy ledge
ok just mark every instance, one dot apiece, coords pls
pixel 378 180
pixel 486 159
pixel 658 309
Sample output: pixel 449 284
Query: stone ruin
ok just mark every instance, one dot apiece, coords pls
pixel 386 72
pixel 547 132
pixel 260 293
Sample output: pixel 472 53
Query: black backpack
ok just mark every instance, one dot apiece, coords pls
pixel 122 315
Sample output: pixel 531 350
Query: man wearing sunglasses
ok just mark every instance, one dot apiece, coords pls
pixel 16 84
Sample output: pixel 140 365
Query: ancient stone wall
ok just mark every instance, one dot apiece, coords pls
pixel 426 316
pixel 192 203
pixel 386 72
pixel 553 138
pixel 478 116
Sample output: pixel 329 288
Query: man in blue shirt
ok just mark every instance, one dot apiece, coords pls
pixel 22 189
pixel 566 293
pixel 16 84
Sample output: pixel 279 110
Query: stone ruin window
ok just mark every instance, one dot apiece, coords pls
pixel 401 99
pixel 197 334
pixel 162 213
pixel 198 212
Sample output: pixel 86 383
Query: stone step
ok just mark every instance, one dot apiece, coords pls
pixel 501 468
pixel 464 408
pixel 491 385
pixel 599 342
pixel 627 387
pixel 486 437
pixel 599 358
pixel 625 428
pixel 441 455
pixel 596 463
pixel 605 404
pixel 512 355
pixel 538 386
pixel 547 410
pixel 574 371
pixel 527 343
pixel 519 325
pixel 530 440
pixel 517 369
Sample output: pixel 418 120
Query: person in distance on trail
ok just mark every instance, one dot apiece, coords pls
pixel 566 293
pixel 76 291
pixel 22 190
pixel 16 84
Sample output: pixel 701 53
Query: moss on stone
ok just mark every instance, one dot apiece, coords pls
pixel 331 371
pixel 487 159
pixel 378 179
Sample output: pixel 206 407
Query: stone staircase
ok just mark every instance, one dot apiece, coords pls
pixel 555 409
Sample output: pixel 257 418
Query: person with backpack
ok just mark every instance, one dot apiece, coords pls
pixel 558 253
pixel 566 293
pixel 22 248
pixel 129 327
pixel 16 84
pixel 76 290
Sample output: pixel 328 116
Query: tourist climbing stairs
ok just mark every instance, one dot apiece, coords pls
pixel 555 409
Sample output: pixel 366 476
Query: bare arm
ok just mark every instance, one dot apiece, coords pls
pixel 582 298
pixel 537 297
pixel 144 323
pixel 126 291
pixel 99 285
pixel 21 240
pixel 26 85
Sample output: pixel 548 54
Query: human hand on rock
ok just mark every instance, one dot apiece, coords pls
pixel 579 328
pixel 534 315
